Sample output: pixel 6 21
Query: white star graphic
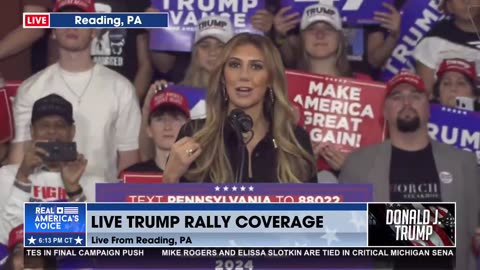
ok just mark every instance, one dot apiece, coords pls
pixel 242 188
pixel 78 240
pixel 250 188
pixel 31 240
pixel 217 188
pixel 234 188
pixel 358 221
pixel 330 236
pixel 225 188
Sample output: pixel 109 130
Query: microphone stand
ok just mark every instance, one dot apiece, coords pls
pixel 241 122
pixel 241 149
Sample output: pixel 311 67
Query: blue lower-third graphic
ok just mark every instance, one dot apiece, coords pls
pixel 55 224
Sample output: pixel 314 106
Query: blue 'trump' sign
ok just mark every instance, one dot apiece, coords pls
pixel 353 12
pixel 456 127
pixel 185 14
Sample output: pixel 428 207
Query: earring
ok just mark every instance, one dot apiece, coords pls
pixel 225 96
pixel 272 95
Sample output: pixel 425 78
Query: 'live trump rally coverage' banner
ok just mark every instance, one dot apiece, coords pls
pixel 185 14
pixel 262 235
pixel 456 127
pixel 342 112
pixel 353 12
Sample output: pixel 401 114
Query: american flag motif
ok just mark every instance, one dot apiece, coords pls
pixel 444 232
pixel 70 210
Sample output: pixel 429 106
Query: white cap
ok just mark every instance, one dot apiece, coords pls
pixel 218 27
pixel 321 13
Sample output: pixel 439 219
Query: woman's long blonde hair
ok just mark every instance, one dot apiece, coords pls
pixel 196 75
pixel 294 163
pixel 342 64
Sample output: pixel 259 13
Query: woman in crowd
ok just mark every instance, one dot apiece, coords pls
pixel 457 79
pixel 323 50
pixel 250 77
pixel 172 65
pixel 323 45
pixel 211 34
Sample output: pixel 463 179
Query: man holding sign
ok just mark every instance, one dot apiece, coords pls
pixel 411 167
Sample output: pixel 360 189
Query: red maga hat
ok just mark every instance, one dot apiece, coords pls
pixel 85 5
pixel 406 77
pixel 459 65
pixel 169 98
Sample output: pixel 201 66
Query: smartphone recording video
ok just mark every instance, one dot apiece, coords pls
pixel 58 151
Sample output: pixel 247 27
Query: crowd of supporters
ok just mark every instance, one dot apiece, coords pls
pixel 105 90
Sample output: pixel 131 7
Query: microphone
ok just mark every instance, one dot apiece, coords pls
pixel 241 123
pixel 240 120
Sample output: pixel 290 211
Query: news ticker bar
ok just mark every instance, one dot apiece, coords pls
pixel 244 252
pixel 239 225
pixel 249 258
pixel 95 20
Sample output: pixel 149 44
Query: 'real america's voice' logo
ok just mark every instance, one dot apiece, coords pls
pixel 55 224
